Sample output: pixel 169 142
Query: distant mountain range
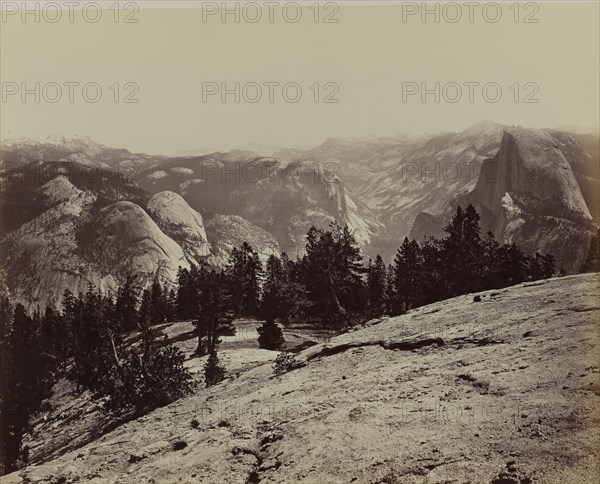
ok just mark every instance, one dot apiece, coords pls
pixel 76 212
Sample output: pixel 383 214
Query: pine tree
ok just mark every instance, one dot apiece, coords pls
pixel 145 315
pixel 515 263
pixel 172 306
pixel 408 265
pixel 126 304
pixel 55 338
pixel 332 272
pixel 24 383
pixel 463 252
pixel 184 307
pixel 158 303
pixel 592 261
pixel 245 273
pixel 213 371
pixel 490 263
pixel 95 320
pixel 213 316
pixel 144 378
pixel 540 267
pixel 273 290
pixel 376 286
pixel 270 336
pixel 390 290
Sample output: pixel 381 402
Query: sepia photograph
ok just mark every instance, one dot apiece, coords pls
pixel 321 242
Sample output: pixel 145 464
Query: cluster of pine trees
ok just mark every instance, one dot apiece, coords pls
pixel 462 262
pixel 331 285
pixel 26 370
pixel 85 341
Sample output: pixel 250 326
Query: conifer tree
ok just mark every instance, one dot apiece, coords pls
pixel 213 316
pixel 462 251
pixel 245 273
pixel 332 272
pixel 186 294
pixel 172 306
pixel 213 370
pixel 273 290
pixel 408 265
pixel 270 336
pixel 592 261
pixel 126 304
pixel 376 286
pixel 23 379
pixel 390 290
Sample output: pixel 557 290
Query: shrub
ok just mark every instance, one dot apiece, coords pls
pixel 270 336
pixel 149 381
pixel 180 445
pixel 284 363
pixel 213 371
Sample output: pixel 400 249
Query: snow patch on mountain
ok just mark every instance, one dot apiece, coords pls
pixel 189 183
pixel 157 175
pixel 182 170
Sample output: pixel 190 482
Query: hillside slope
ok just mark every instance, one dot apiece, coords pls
pixel 458 391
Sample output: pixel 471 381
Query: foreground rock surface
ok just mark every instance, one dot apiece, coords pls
pixel 502 390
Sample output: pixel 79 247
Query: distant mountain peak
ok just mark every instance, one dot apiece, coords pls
pixel 485 126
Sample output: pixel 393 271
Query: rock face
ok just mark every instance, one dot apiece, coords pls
pixel 582 151
pixel 534 172
pixel 62 231
pixel 458 391
pixel 537 188
pixel 283 198
pixel 180 222
pixel 138 243
pixel 229 231
pixel 65 248
pixel 41 258
pixel 399 178
pixel 529 195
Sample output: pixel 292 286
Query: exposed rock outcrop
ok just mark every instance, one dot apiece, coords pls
pixel 530 167
pixel 504 390
pixel 530 196
pixel 229 231
pixel 180 222
pixel 284 198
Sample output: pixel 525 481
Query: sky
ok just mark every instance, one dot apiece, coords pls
pixel 372 67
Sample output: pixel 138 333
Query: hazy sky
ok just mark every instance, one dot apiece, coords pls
pixel 369 53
